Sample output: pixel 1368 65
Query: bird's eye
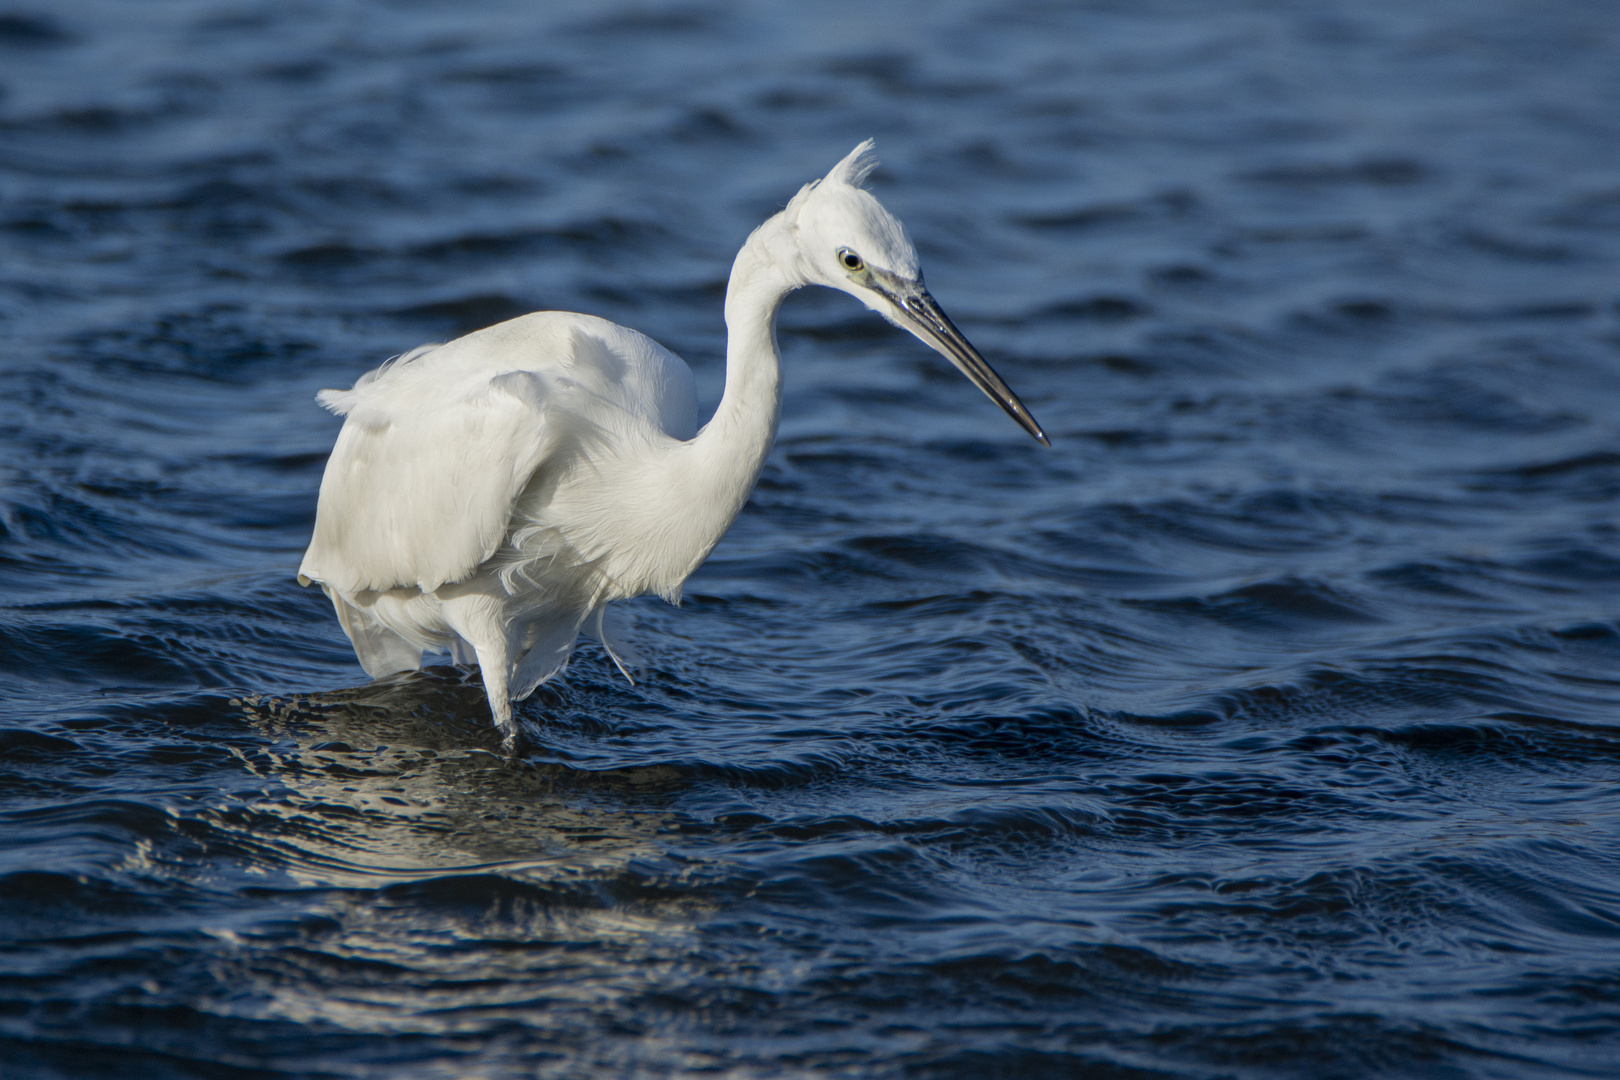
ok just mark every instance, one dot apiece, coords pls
pixel 852 262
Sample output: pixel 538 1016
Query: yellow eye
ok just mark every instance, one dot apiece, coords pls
pixel 852 262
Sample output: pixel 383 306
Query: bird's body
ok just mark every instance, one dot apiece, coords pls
pixel 492 495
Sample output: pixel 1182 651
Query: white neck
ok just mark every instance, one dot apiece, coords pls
pixel 731 448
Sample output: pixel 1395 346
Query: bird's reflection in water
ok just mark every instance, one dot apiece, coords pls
pixel 450 888
pixel 411 752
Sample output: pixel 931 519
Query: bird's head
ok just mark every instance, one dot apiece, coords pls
pixel 847 241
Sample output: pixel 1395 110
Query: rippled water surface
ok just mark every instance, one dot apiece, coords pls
pixel 1268 725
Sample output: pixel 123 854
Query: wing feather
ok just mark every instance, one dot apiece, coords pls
pixel 420 493
pixel 438 445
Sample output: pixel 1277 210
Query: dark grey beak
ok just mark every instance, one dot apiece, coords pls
pixel 919 313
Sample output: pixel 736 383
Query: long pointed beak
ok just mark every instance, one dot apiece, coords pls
pixel 919 313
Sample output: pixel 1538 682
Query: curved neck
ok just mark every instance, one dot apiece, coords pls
pixel 733 444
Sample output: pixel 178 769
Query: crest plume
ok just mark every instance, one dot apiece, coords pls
pixel 855 167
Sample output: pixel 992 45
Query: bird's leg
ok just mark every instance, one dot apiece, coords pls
pixel 501 710
pixel 479 622
pixel 496 673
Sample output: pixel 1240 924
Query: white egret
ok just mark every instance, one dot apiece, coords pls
pixel 491 496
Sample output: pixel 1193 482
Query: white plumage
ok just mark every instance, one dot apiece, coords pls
pixel 492 495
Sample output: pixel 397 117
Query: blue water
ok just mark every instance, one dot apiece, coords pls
pixel 1268 725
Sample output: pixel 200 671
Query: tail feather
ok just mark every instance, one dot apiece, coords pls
pixel 623 656
pixel 380 650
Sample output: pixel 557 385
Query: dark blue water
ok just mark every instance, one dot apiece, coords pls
pixel 1268 725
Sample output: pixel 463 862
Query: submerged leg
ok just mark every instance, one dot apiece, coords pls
pixel 495 665
pixel 479 622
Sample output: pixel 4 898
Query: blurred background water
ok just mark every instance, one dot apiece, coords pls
pixel 1268 725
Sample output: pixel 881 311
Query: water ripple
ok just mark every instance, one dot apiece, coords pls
pixel 1262 727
